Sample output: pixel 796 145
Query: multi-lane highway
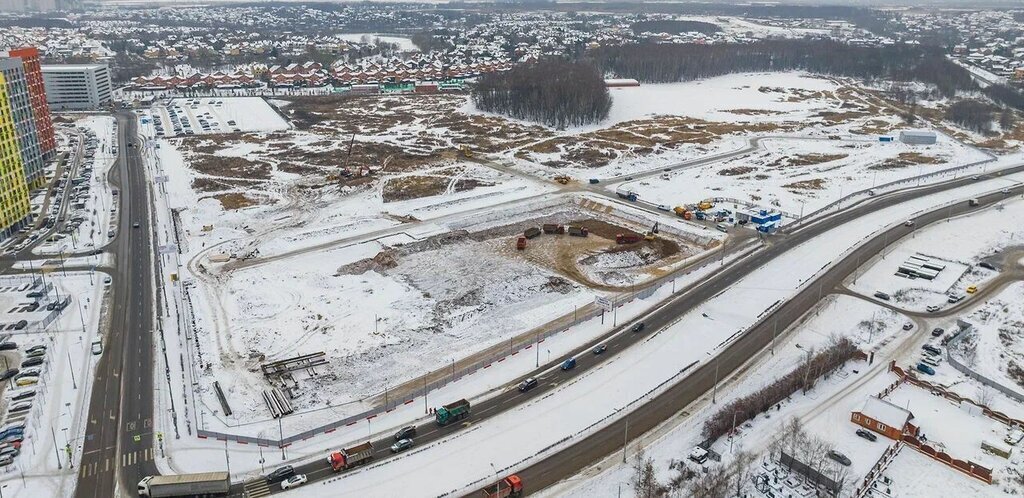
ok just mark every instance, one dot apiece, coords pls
pixel 609 440
pixel 118 447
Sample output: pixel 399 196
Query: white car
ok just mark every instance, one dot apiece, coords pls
pixel 932 308
pixel 294 481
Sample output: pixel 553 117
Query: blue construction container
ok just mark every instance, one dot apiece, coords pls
pixel 885 139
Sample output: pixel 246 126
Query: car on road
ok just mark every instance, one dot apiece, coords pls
pixel 600 348
pixel 135 225
pixel 921 367
pixel 663 207
pixel 294 481
pixel 638 327
pixel 975 177
pixel 106 280
pixel 529 383
pixel 870 436
pixel 569 364
pixel 938 331
pixel 881 295
pixel 401 445
pixel 406 432
pixel 593 181
pixel 1005 191
pixel 932 308
pixel 280 474
pixel 908 325
pixel 971 289
pixel 839 457
pixel 908 223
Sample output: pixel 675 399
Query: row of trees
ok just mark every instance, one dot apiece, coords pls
pixel 838 351
pixel 664 63
pixel 555 92
pixel 977 116
pixel 710 481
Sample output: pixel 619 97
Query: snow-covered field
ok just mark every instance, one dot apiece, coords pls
pixel 802 174
pixel 961 243
pixel 404 44
pixel 995 348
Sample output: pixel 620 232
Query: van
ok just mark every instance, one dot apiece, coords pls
pixel 698 454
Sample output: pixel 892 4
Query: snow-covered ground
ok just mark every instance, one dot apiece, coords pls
pixel 66 380
pixel 775 176
pixel 404 44
pixel 961 243
pixel 995 348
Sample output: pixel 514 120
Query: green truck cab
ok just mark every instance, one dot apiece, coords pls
pixel 451 412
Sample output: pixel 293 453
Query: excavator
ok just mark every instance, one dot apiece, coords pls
pixel 563 179
pixel 654 231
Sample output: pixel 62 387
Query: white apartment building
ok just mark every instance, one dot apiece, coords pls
pixel 77 86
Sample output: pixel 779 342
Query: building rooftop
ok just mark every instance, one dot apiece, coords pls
pixel 886 412
pixel 70 67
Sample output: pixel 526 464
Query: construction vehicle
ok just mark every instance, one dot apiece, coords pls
pixel 521 244
pixel 350 457
pixel 683 213
pixel 532 232
pixel 579 231
pixel 629 195
pixel 466 151
pixel 202 484
pixel 509 487
pixel 563 179
pixel 627 238
pixel 653 231
pixel 451 412
pixel 553 228
pixel 705 205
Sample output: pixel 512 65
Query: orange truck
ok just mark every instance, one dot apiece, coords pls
pixel 521 243
pixel 509 487
pixel 350 457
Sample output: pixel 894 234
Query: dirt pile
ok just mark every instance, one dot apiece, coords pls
pixel 384 260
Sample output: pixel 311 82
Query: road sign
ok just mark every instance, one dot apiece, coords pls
pixel 604 303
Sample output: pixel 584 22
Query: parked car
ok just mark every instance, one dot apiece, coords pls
pixel 28 372
pixel 10 372
pixel 529 383
pixel 97 346
pixel 405 433
pixel 32 362
pixel 26 381
pixel 839 457
pixel 866 434
pixel 908 223
pixel 954 298
pixel 401 445
pixel 34 294
pixel 569 364
pixel 921 367
pixel 21 324
pixel 987 265
pixel 280 474
pixel 37 350
pixel 938 331
pixel 294 481
pixel 21 406
pixel 8 346
pixel 600 348
pixel 638 327
pixel 972 289
pixel 932 308
pixel 21 394
pixel 6 460
pixel 881 295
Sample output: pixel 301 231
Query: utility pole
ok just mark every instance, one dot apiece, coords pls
pixel 714 392
pixel 625 438
pixel 536 345
pixel 56 452
pixel 71 368
pixel 426 409
pixel 280 436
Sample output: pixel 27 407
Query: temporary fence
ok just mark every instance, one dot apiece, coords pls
pixel 965 329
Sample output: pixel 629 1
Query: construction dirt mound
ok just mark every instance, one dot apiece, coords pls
pixel 384 260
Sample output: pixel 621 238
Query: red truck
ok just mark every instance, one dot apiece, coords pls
pixel 627 238
pixel 511 486
pixel 521 243
pixel 350 457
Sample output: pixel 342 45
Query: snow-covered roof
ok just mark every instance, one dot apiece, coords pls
pixel 886 412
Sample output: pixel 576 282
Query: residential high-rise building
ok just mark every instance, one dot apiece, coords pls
pixel 37 96
pixel 77 86
pixel 14 209
pixel 24 121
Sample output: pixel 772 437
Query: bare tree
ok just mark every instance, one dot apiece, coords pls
pixel 713 482
pixel 985 395
pixel 741 469
pixel 644 482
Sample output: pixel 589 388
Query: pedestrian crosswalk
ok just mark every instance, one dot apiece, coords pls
pixel 257 488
